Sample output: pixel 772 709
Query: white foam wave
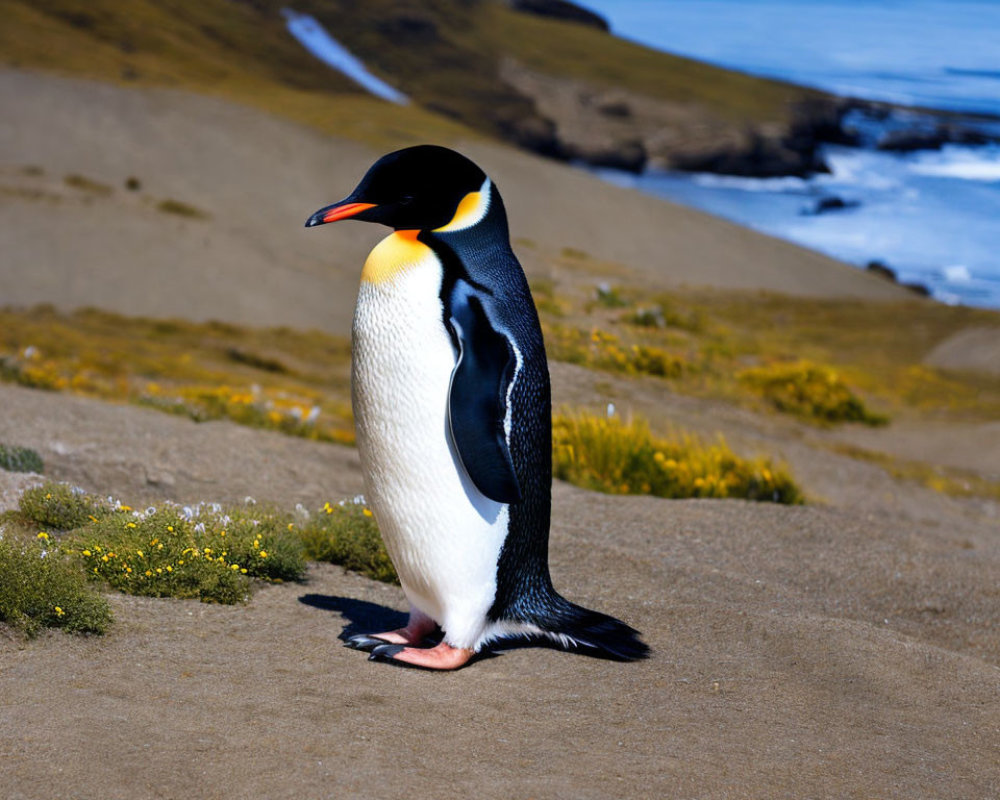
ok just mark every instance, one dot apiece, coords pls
pixel 314 38
pixel 785 184
pixel 966 169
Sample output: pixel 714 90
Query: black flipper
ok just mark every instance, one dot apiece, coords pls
pixel 477 401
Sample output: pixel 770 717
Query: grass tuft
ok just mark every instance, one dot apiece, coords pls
pixel 210 552
pixel 604 351
pixel 810 391
pixel 617 457
pixel 347 534
pixel 40 588
pixel 85 184
pixel 20 459
pixel 56 505
pixel 180 209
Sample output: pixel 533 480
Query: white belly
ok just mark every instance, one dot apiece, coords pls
pixel 443 535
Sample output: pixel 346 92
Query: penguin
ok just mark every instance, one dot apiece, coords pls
pixel 451 400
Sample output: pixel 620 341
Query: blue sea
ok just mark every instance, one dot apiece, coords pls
pixel 932 216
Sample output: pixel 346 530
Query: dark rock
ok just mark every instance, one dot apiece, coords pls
pixel 906 140
pixel 756 156
pixel 882 270
pixel 561 10
pixel 613 107
pixel 917 288
pixel 830 202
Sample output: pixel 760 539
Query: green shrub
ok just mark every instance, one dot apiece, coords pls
pixel 810 391
pixel 609 455
pixel 347 534
pixel 59 506
pixel 605 351
pixel 20 459
pixel 40 588
pixel 207 552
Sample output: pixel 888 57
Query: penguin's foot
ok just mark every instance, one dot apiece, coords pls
pixel 416 629
pixel 442 656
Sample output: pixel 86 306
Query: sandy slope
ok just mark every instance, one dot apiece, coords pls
pixel 837 651
pixel 259 177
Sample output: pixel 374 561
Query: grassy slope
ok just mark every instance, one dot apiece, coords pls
pixel 227 49
pixel 444 53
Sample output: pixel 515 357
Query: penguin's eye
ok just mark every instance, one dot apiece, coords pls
pixel 406 199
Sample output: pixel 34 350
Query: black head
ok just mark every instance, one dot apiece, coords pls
pixel 418 188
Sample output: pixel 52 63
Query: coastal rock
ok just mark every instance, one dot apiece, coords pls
pixel 829 203
pixel 882 270
pixel 906 140
pixel 561 10
pixel 629 131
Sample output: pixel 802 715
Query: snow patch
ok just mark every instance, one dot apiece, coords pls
pixel 314 38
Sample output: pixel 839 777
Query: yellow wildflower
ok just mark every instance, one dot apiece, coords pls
pixel 87 553
pixel 366 512
pixel 126 508
pixel 139 553
pixel 129 524
pixel 234 567
pixel 59 611
pixel 263 554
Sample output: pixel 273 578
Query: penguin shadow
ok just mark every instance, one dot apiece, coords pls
pixel 361 616
pixel 364 618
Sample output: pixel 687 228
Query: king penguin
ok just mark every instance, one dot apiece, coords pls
pixel 451 400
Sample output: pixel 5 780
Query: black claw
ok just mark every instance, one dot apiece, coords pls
pixel 362 641
pixel 385 652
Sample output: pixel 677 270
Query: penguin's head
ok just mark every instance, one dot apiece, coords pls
pixel 417 188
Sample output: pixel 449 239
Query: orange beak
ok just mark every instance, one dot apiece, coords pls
pixel 337 211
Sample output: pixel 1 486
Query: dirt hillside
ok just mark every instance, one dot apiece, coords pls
pixel 255 178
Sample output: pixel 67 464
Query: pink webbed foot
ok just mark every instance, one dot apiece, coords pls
pixel 418 626
pixel 442 656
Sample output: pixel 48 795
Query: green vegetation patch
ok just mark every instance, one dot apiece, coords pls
pixel 610 455
pixel 813 392
pixel 181 209
pixel 20 459
pixel 598 349
pixel 296 382
pixel 58 506
pixel 42 588
pixel 946 480
pixel 347 534
pixel 209 551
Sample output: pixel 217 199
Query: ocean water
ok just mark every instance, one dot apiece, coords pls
pixel 932 216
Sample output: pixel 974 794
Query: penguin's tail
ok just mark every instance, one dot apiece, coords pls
pixel 576 627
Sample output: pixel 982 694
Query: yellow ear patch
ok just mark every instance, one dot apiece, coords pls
pixel 395 254
pixel 471 209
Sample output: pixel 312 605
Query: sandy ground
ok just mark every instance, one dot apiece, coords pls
pixel 849 648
